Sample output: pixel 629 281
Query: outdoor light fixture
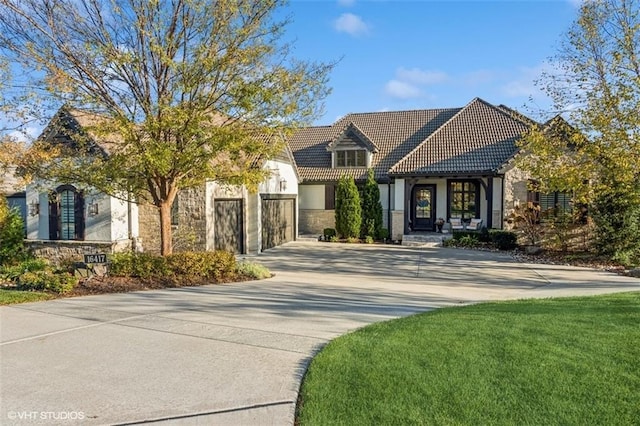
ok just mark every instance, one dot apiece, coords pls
pixel 283 184
pixel 93 209
pixel 34 208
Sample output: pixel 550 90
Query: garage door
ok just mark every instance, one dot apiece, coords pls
pixel 278 222
pixel 228 226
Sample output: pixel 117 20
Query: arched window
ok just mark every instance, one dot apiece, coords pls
pixel 66 214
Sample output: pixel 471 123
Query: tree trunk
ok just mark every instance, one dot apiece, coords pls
pixel 166 246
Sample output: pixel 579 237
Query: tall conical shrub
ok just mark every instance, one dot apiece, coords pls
pixel 371 208
pixel 348 208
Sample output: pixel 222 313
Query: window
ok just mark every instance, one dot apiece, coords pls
pixel 550 203
pixel 351 158
pixel 66 214
pixel 463 199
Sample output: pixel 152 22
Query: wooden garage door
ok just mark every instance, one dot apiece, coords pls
pixel 228 226
pixel 278 222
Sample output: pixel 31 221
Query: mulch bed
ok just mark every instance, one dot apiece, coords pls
pixel 108 284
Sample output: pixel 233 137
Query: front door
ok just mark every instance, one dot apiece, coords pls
pixel 423 207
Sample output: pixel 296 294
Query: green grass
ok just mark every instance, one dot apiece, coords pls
pixel 9 297
pixel 573 361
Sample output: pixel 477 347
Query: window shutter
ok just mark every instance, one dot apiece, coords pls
pixel 329 197
pixel 53 218
pixel 79 216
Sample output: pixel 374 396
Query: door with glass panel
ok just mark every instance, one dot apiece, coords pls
pixel 423 207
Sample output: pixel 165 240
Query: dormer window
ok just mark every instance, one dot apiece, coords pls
pixel 352 148
pixel 351 158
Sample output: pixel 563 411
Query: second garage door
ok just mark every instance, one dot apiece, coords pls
pixel 278 221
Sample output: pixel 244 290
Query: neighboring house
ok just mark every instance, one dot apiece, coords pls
pixel 206 218
pixel 429 164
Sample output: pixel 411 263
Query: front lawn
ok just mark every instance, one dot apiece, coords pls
pixel 9 297
pixel 571 361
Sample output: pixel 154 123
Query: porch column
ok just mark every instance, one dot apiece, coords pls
pixel 489 190
pixel 396 227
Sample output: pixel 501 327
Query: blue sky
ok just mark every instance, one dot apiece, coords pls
pixel 398 55
pixel 401 54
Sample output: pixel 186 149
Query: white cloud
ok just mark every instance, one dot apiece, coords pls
pixel 409 82
pixel 418 76
pixel 351 24
pixel 346 3
pixel 402 90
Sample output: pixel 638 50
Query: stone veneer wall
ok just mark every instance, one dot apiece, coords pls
pixel 315 221
pixel 515 188
pixel 191 232
pixel 397 224
pixel 62 250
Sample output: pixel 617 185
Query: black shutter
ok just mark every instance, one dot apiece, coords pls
pixel 54 226
pixel 79 216
pixel 329 197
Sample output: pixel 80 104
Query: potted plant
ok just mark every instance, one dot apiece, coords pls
pixel 439 224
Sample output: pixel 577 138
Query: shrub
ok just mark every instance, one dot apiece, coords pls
pixel 369 239
pixel 459 235
pixel 334 239
pixel 142 265
pixel 504 240
pixel 11 234
pixel 13 272
pixel 209 264
pixel 47 280
pixel 328 233
pixel 484 236
pixel 384 234
pixel 353 240
pixel 468 241
pixel 348 208
pixel 371 207
pixel 253 270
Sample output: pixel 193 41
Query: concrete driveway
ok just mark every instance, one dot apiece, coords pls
pixel 235 354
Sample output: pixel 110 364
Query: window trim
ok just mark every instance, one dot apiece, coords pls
pixel 476 197
pixel 55 214
pixel 345 153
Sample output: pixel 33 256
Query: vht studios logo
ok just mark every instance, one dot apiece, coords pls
pixel 46 415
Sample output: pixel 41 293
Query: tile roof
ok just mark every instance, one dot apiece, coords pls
pixel 395 134
pixel 478 138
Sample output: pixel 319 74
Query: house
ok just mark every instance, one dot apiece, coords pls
pixel 429 164
pixel 66 217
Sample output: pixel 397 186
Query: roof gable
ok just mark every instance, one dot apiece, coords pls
pixel 480 138
pixel 394 133
pixel 351 136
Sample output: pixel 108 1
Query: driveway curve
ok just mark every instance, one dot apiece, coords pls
pixel 235 354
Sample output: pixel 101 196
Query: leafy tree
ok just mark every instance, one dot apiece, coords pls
pixel 178 92
pixel 348 208
pixel 371 208
pixel 11 234
pixel 597 84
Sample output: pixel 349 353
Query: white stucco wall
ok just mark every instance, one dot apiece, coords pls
pixel 108 225
pixel 311 197
pixel 283 179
